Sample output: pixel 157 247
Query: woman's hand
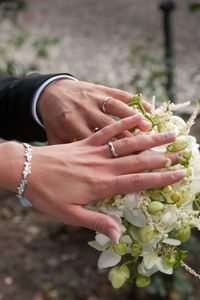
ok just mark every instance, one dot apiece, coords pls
pixel 71 110
pixel 66 177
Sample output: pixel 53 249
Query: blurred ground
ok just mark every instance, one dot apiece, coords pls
pixel 40 256
pixel 98 36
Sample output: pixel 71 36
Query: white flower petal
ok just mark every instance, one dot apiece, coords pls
pixel 160 149
pixel 151 245
pixel 111 210
pixel 135 234
pixel 168 219
pixel 162 269
pixel 135 216
pixel 179 122
pixel 147 272
pixel 116 218
pixel 102 240
pixel 126 239
pixel 148 152
pixel 172 242
pixel 195 186
pixel 192 144
pixel 151 260
pixel 123 228
pixel 96 246
pixel 132 201
pixel 108 258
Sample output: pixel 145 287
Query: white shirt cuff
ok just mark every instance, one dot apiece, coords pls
pixel 39 91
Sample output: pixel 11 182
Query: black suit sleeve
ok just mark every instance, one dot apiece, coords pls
pixel 16 95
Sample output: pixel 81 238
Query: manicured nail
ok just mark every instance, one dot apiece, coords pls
pixel 182 172
pixel 148 105
pixel 114 235
pixel 138 115
pixel 170 135
pixel 144 124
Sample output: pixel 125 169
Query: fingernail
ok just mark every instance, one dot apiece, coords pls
pixel 114 235
pixel 144 124
pixel 135 116
pixel 182 172
pixel 138 115
pixel 170 135
pixel 148 105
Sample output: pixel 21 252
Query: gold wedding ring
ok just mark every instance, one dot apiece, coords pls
pixel 104 104
pixel 112 149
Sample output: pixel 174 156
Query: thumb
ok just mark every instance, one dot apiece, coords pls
pixel 98 222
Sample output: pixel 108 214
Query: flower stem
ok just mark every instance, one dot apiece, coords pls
pixel 197 205
pixel 128 262
pixel 138 103
pixel 164 197
pixel 129 233
pixel 135 272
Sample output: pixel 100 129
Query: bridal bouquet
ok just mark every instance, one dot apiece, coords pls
pixel 155 222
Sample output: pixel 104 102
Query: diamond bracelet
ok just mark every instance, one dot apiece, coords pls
pixel 26 172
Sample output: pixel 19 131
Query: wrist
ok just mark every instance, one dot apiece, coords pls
pixel 11 165
pixel 50 92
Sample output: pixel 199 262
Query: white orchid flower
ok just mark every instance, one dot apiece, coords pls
pixel 144 271
pixel 177 124
pixel 168 219
pixel 152 263
pixel 108 257
pixel 134 216
pixel 172 242
pixel 192 145
pixel 195 186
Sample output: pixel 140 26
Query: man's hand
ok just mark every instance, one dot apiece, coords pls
pixel 71 110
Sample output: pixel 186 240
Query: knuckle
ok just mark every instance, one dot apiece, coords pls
pixel 155 139
pixel 138 180
pixel 163 178
pixel 125 96
pixel 141 161
pixel 107 121
pixel 67 118
pixel 96 183
pixel 127 142
pixel 106 131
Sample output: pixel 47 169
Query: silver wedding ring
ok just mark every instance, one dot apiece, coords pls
pixel 104 104
pixel 112 149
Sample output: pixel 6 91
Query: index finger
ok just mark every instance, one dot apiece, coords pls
pixel 124 96
pixel 118 108
pixel 114 129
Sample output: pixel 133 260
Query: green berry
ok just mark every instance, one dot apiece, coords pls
pixel 169 261
pixel 136 250
pixel 120 248
pixel 175 196
pixel 142 281
pixel 183 234
pixel 155 206
pixel 180 144
pixel 118 276
pixel 145 234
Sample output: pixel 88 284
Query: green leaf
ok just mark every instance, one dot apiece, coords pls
pixel 194 7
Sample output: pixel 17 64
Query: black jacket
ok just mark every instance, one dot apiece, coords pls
pixel 16 95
